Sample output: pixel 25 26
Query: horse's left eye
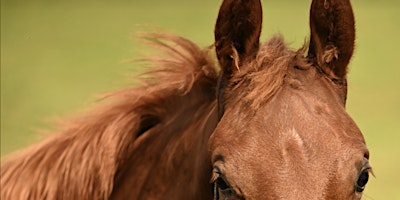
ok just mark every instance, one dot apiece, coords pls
pixel 362 180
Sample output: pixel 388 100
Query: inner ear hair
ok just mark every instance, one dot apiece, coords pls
pixel 332 36
pixel 237 32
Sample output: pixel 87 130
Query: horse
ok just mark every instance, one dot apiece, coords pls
pixel 268 123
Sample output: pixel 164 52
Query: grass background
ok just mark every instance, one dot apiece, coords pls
pixel 56 56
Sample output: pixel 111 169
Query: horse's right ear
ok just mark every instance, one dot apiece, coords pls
pixel 237 33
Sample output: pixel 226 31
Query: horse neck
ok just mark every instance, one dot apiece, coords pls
pixel 83 160
pixel 78 162
pixel 151 136
pixel 170 160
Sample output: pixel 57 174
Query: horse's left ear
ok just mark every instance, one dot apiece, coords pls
pixel 332 37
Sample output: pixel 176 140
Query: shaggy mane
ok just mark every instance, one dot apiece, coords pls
pixel 81 160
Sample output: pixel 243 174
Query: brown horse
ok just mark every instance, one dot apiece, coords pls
pixel 271 125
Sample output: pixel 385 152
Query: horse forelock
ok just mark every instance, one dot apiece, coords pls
pixel 260 78
pixel 81 160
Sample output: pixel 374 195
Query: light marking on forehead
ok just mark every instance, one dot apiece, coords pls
pixel 291 144
pixel 296 137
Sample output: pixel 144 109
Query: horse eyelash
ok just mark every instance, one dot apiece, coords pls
pixel 214 177
pixel 216 173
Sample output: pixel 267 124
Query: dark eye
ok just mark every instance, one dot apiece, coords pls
pixel 362 180
pixel 221 187
pixel 221 184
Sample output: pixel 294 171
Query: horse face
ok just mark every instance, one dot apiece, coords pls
pixel 283 131
pixel 301 144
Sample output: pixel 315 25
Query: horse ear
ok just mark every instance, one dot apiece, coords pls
pixel 237 32
pixel 332 36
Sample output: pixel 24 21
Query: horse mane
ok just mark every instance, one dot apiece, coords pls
pixel 82 159
pixel 90 155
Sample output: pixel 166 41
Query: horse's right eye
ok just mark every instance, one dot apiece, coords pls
pixel 221 184
pixel 222 188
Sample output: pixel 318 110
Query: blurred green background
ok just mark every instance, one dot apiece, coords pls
pixel 58 56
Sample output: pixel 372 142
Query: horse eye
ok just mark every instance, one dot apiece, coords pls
pixel 222 185
pixel 362 180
